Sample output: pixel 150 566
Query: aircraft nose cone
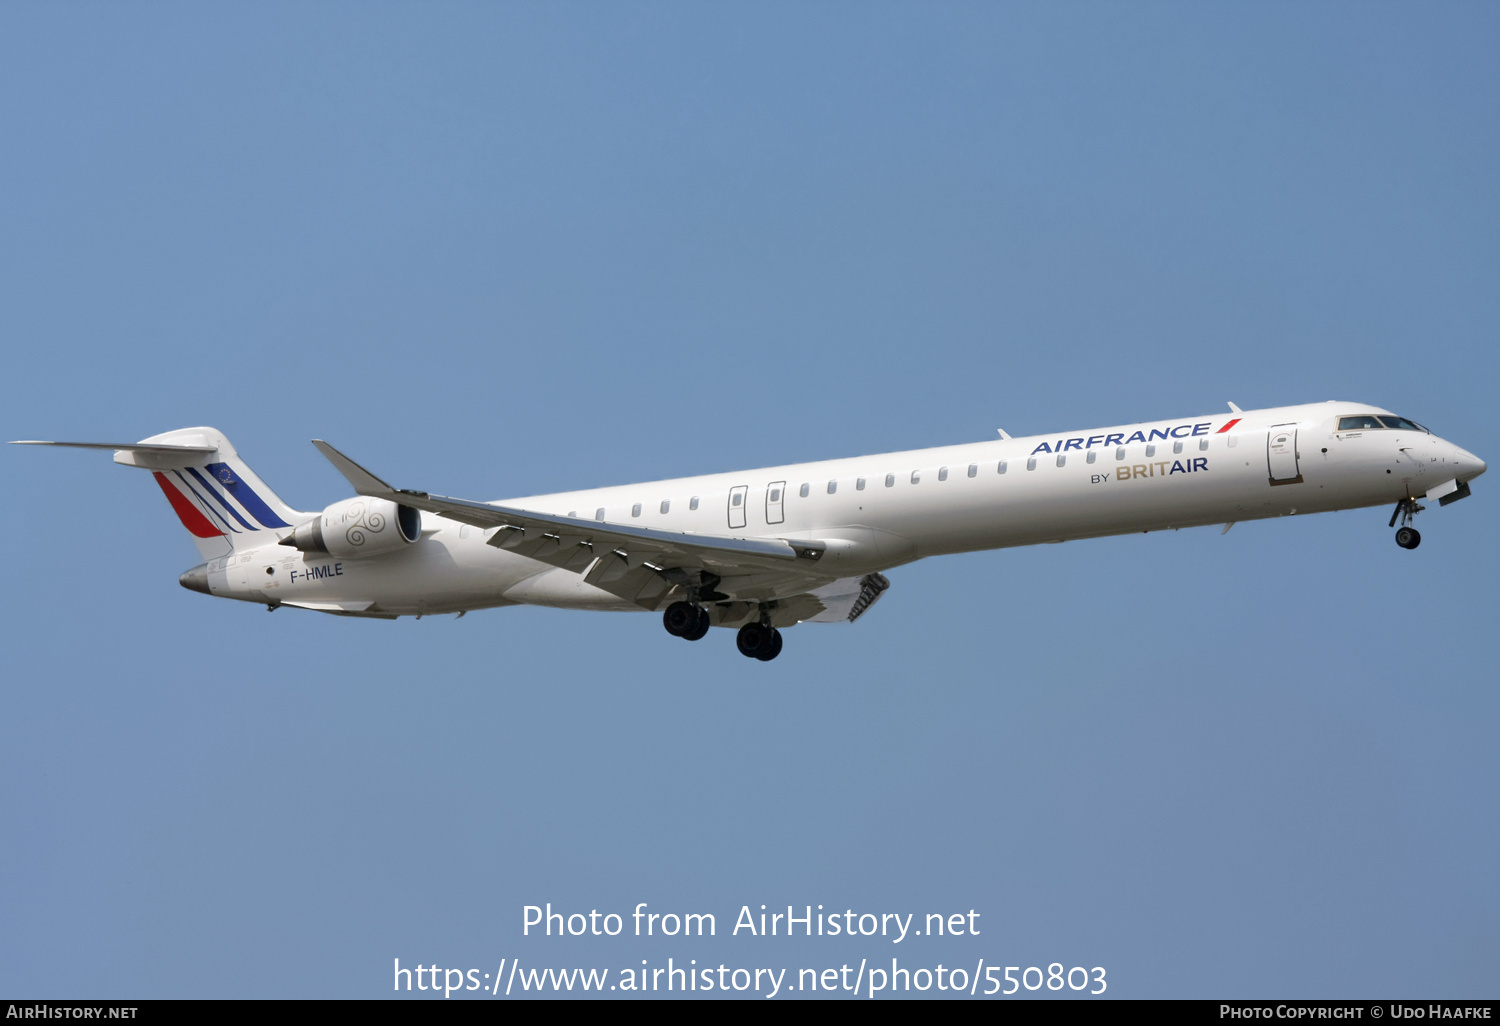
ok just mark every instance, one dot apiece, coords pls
pixel 196 579
pixel 1471 466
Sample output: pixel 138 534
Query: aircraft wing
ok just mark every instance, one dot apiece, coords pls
pixel 639 564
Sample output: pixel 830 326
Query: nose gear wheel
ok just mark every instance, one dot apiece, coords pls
pixel 1407 536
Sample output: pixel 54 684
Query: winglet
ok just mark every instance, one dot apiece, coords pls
pixel 364 482
pixel 1003 434
pixel 1235 408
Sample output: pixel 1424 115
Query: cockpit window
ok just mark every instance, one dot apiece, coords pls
pixel 1365 422
pixel 1402 423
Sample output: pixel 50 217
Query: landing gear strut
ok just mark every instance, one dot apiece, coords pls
pixel 1407 536
pixel 759 641
pixel 685 620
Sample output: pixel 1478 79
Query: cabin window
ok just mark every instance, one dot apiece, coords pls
pixel 1092 456
pixel 1203 445
pixel 635 510
pixel 1061 459
pixel 916 477
pixel 833 486
pixel 1031 463
pixel 942 473
pixel 1150 450
pixel 973 470
pixel 693 502
pixel 775 496
pixel 859 484
pixel 890 480
pixel 1001 468
pixel 804 490
pixel 1176 447
pixel 599 513
pixel 1120 453
pixel 666 504
pixel 736 498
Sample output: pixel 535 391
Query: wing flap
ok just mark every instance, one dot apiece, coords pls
pixel 848 599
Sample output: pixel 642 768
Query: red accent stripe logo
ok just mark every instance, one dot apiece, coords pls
pixel 1226 427
pixel 192 518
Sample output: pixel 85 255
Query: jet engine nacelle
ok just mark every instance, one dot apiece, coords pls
pixel 359 527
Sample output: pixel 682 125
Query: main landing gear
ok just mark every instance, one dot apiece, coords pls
pixel 759 641
pixel 1407 536
pixel 756 640
pixel 685 620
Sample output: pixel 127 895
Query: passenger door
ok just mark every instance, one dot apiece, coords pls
pixel 737 505
pixel 1281 454
pixel 775 495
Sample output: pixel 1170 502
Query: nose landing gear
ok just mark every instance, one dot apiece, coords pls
pixel 1407 536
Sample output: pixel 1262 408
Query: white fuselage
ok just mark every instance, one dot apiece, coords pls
pixel 876 512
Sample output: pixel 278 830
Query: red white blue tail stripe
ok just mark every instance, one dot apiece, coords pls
pixel 201 507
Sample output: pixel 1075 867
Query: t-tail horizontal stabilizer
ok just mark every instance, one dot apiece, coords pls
pixel 220 500
pixel 165 450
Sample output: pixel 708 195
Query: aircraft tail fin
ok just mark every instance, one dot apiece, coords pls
pixel 223 504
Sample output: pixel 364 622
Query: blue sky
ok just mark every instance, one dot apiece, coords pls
pixel 508 249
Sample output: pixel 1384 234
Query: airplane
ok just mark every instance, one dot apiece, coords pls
pixel 761 550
